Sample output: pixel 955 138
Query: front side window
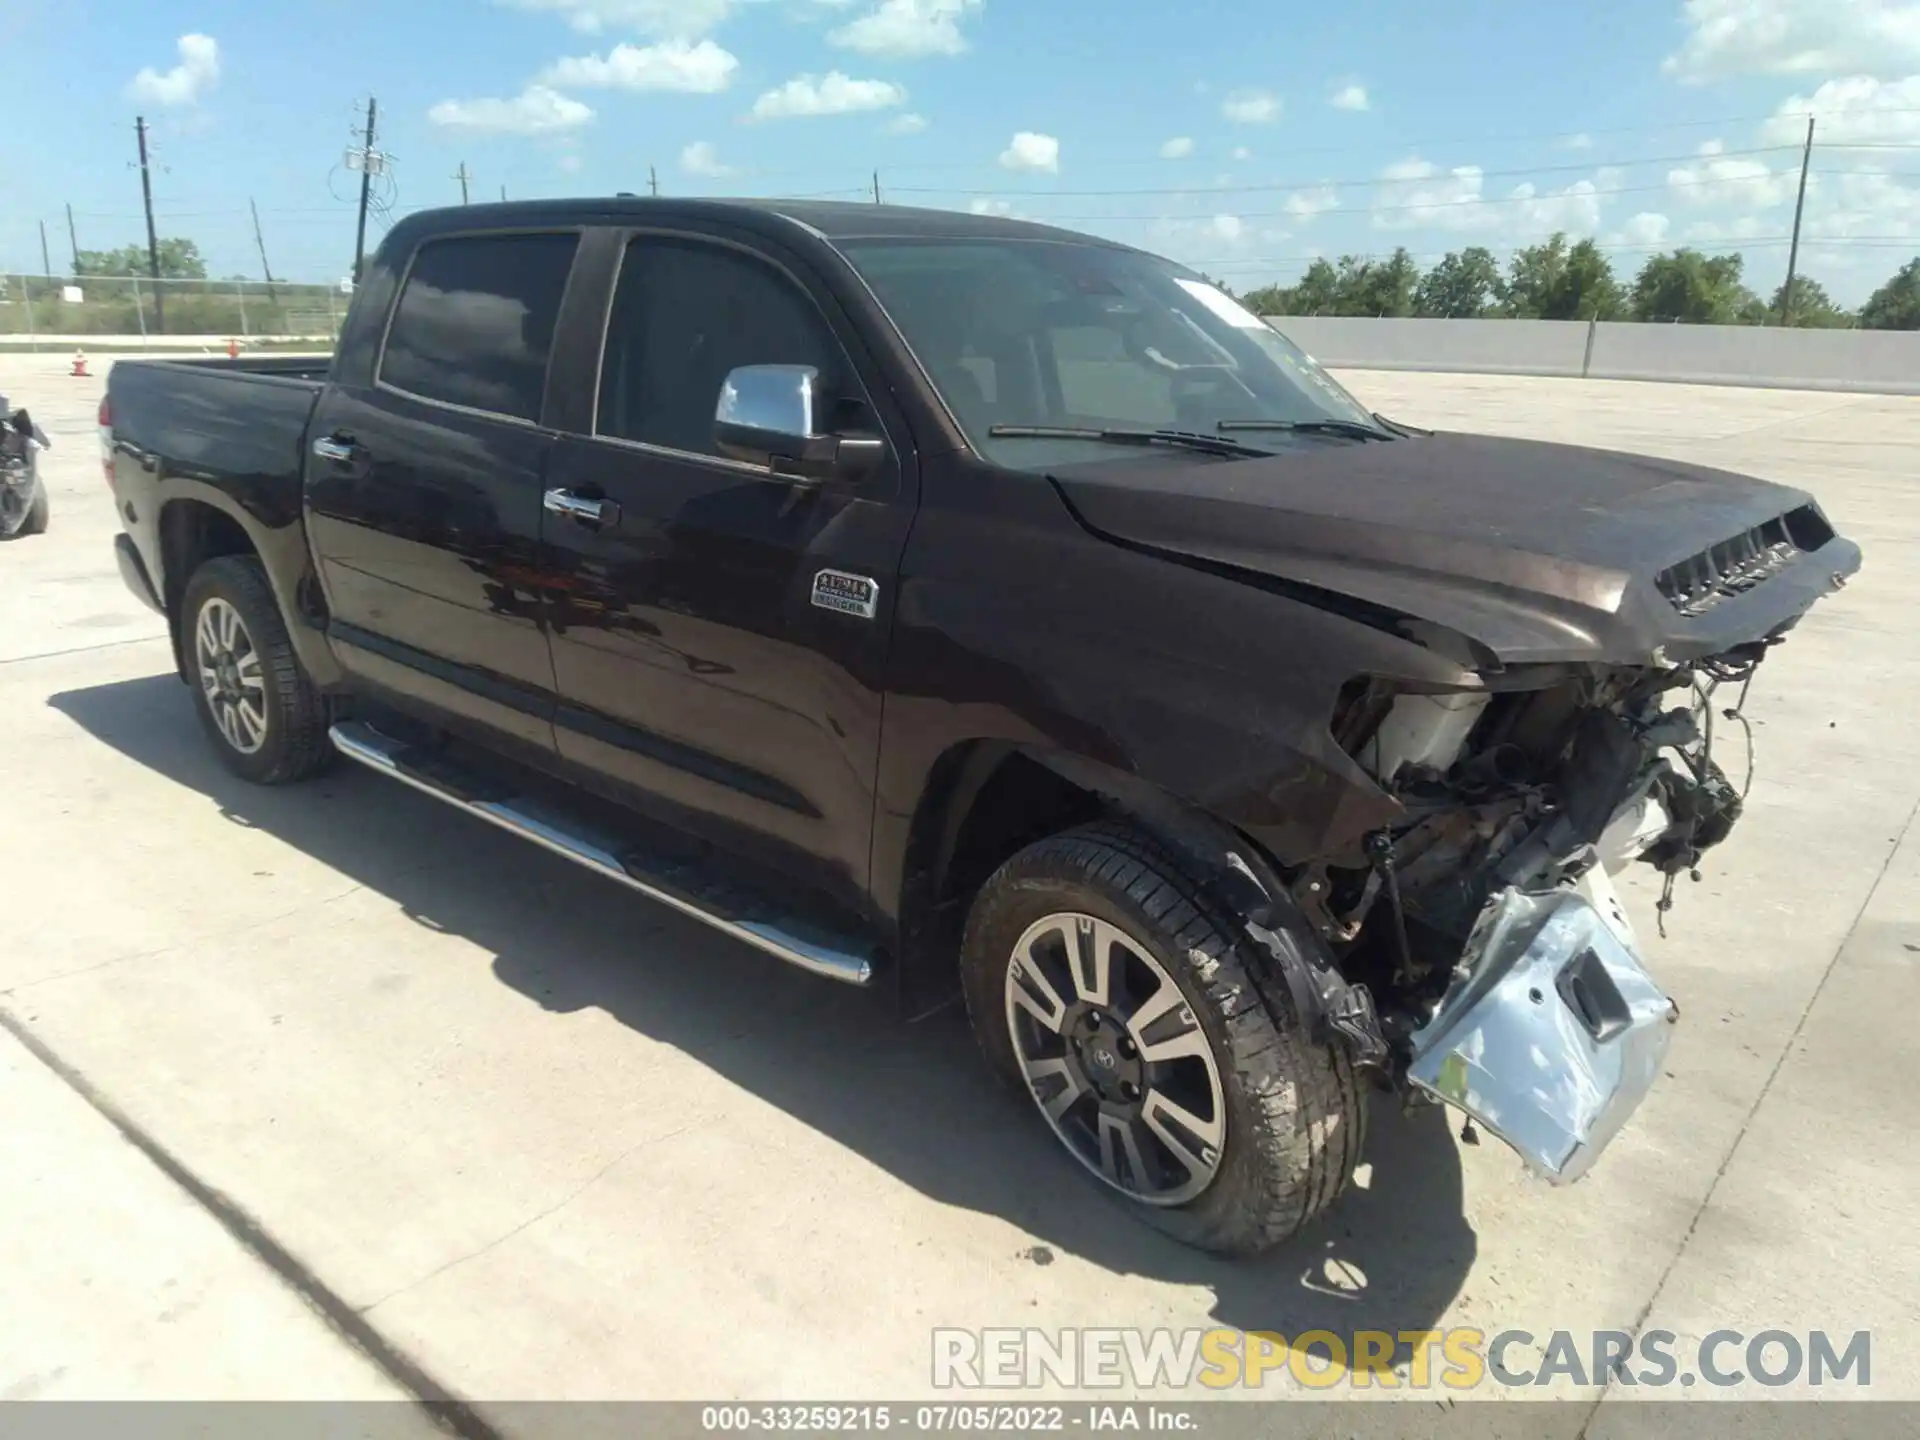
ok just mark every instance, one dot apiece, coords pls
pixel 474 325
pixel 1017 333
pixel 684 315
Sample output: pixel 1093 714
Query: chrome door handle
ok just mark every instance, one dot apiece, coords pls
pixel 339 452
pixel 585 509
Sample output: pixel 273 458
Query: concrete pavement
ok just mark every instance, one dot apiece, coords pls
pixel 550 1141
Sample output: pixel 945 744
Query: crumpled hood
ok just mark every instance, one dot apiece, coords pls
pixel 1536 551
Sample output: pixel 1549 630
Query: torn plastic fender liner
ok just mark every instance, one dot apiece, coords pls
pixel 1553 1032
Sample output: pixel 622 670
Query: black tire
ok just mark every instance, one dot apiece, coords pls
pixel 295 743
pixel 1295 1111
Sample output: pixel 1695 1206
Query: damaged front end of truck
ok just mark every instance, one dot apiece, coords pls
pixel 1484 957
pixel 1562 643
pixel 1507 978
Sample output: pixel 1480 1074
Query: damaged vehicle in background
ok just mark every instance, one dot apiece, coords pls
pixel 1002 614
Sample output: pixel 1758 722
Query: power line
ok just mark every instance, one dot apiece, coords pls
pixel 1439 173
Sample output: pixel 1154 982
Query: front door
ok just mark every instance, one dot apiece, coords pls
pixel 423 494
pixel 720 634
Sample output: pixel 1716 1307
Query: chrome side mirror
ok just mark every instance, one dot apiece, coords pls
pixel 769 415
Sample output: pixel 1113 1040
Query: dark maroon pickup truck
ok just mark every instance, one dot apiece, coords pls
pixel 993 613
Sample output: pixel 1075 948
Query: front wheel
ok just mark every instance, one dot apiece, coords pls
pixel 267 722
pixel 1104 982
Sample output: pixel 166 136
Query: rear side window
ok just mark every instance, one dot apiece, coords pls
pixel 475 321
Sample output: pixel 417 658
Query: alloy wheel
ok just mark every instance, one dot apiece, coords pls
pixel 230 675
pixel 1115 1058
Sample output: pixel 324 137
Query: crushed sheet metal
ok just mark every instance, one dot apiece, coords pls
pixel 1556 1032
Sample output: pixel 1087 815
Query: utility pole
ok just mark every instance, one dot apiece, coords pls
pixel 73 241
pixel 503 194
pixel 462 176
pixel 46 256
pixel 653 181
pixel 153 239
pixel 1793 251
pixel 876 187
pixel 260 244
pixel 366 191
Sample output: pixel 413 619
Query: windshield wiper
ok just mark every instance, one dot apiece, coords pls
pixel 1358 429
pixel 1189 439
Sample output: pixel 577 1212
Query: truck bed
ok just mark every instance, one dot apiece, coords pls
pixel 278 367
pixel 227 436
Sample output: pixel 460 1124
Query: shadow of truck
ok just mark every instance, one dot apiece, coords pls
pixel 912 1099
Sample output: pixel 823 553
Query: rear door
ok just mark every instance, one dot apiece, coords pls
pixel 702 661
pixel 424 489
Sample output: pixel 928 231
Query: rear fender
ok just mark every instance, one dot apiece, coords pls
pixel 283 554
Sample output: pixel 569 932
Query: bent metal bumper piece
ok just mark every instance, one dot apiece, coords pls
pixel 1552 1032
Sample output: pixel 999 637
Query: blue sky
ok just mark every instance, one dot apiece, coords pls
pixel 1242 137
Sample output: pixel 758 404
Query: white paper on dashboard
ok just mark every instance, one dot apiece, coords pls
pixel 1222 304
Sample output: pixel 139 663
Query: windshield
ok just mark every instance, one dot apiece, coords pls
pixel 1044 333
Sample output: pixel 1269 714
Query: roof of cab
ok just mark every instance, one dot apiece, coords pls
pixel 832 220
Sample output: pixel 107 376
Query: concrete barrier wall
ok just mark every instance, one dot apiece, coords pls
pixel 1882 361
pixel 1491 347
pixel 1870 361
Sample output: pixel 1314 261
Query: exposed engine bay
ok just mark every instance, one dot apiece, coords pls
pixel 1484 927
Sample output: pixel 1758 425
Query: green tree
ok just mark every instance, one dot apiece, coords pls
pixel 1812 308
pixel 1318 290
pixel 1896 304
pixel 1465 284
pixel 1376 287
pixel 1695 289
pixel 1268 300
pixel 1315 294
pixel 179 260
pixel 1557 281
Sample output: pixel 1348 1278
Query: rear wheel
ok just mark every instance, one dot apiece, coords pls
pixel 1104 982
pixel 267 721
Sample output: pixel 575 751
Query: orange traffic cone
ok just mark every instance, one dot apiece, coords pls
pixel 80 364
pixel 233 348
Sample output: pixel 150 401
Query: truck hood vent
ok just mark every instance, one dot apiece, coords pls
pixel 1736 565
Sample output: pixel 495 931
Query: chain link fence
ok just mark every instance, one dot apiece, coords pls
pixel 40 312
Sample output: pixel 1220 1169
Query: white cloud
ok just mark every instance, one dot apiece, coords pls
pixel 694 68
pixel 569 163
pixel 984 206
pixel 1349 97
pixel 908 124
pixel 1857 110
pixel 1241 152
pixel 1031 151
pixel 1647 228
pixel 1177 148
pixel 1582 141
pixel 1731 180
pixel 1305 204
pixel 699 158
pixel 669 19
pixel 1227 227
pixel 536 110
pixel 829 94
pixel 908 29
pixel 1251 107
pixel 1721 232
pixel 1415 193
pixel 1794 37
pixel 197 73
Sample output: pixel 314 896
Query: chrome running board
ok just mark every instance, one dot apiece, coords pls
pixel 670 884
